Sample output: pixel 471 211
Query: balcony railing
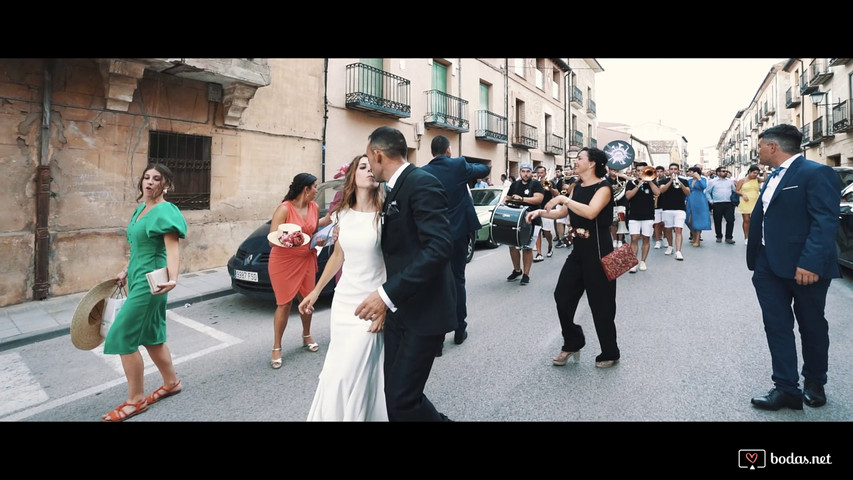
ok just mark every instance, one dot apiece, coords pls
pixel 446 111
pixel 577 96
pixel 807 137
pixel 821 130
pixel 524 136
pixel 491 127
pixel 806 87
pixel 841 117
pixel 577 139
pixel 590 107
pixel 593 142
pixel 554 144
pixel 820 72
pixel 372 90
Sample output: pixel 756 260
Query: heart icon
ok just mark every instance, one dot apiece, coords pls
pixel 752 457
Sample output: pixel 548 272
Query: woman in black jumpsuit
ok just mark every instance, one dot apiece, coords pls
pixel 590 210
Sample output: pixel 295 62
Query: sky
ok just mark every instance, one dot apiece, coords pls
pixel 699 97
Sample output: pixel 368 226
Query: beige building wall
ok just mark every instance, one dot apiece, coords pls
pixel 780 99
pixel 293 119
pixel 96 157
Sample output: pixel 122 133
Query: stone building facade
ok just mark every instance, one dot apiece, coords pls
pixel 76 135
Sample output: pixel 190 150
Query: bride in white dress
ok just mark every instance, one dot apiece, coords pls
pixel 352 382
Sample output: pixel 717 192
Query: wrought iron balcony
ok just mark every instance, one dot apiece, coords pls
pixel 833 62
pixel 491 127
pixel 793 97
pixel 806 87
pixel 590 107
pixel 841 117
pixel 446 111
pixel 577 96
pixel 577 139
pixel 820 130
pixel 375 91
pixel 524 136
pixel 820 72
pixel 554 144
pixel 807 136
pixel 593 142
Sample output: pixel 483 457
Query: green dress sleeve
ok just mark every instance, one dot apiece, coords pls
pixel 168 219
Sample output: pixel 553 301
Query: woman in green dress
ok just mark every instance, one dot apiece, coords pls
pixel 153 234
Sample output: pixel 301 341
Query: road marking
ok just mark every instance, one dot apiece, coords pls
pixel 19 389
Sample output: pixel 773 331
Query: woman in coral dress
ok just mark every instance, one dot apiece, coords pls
pixel 748 188
pixel 352 382
pixel 293 270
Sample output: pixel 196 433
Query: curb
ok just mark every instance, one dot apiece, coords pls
pixel 29 338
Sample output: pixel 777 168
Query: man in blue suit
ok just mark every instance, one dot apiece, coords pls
pixel 456 174
pixel 793 259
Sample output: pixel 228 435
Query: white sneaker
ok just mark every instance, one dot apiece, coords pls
pixel 642 266
pixel 657 244
pixel 678 256
pixel 668 251
pixel 633 269
pixel 665 243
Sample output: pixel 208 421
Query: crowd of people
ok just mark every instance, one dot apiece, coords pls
pixel 400 233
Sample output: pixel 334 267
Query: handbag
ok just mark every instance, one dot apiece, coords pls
pixel 161 275
pixel 618 261
pixel 113 305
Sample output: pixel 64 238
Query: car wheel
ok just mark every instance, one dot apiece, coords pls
pixel 472 239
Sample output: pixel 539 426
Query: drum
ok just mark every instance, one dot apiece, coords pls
pixel 509 226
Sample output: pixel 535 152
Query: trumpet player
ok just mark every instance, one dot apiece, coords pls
pixel 660 173
pixel 641 192
pixel 672 199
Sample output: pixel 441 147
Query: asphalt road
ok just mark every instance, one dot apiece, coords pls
pixel 690 332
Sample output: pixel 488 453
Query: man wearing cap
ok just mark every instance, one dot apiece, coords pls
pixel 528 192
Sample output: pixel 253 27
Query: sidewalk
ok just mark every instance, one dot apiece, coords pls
pixel 37 320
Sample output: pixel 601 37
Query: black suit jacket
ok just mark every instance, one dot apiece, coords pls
pixel 417 245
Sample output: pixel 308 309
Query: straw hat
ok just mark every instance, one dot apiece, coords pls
pixel 86 322
pixel 287 228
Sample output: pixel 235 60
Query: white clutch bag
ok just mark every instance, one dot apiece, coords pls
pixel 161 275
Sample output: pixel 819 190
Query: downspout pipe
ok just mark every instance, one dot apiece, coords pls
pixel 41 261
pixel 325 118
pixel 506 116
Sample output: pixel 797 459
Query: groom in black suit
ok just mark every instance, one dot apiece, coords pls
pixel 419 294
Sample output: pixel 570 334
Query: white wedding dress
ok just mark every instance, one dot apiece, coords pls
pixel 352 382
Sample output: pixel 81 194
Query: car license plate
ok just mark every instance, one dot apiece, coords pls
pixel 248 276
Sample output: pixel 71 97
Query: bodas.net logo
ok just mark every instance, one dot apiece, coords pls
pixel 751 458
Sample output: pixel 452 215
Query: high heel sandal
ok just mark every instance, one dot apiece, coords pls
pixel 311 347
pixel 606 363
pixel 275 363
pixel 563 357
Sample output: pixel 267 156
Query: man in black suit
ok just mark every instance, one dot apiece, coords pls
pixel 793 258
pixel 419 295
pixel 456 174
